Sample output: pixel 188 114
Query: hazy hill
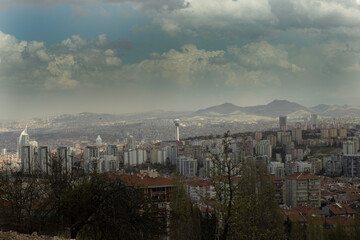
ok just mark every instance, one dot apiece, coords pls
pixel 226 108
pixel 339 111
pixel 226 111
pixel 275 108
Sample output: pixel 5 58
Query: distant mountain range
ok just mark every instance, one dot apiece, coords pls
pixel 226 112
pixel 281 107
pixel 273 109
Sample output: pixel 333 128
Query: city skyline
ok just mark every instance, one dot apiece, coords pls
pixel 133 56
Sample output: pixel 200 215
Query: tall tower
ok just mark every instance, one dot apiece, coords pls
pixel 314 121
pixel 282 123
pixel 22 141
pixel 177 132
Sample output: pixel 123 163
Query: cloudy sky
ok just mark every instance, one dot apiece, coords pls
pixel 121 56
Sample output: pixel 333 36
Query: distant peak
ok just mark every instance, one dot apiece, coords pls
pixel 279 101
pixel 227 104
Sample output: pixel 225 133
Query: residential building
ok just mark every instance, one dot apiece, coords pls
pixel 351 165
pixel 187 166
pixel 302 189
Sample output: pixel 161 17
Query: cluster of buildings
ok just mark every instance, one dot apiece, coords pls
pixel 303 186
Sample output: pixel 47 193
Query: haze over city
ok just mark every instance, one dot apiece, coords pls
pixel 131 56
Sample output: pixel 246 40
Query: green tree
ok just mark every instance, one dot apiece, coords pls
pixel 185 220
pixel 297 231
pixel 105 208
pixel 22 207
pixel 256 212
pixel 314 229
pixel 246 206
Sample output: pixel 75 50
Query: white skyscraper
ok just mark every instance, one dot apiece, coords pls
pixel 23 140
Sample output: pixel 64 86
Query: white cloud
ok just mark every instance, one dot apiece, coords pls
pixel 262 55
pixel 62 66
pixel 255 64
pixel 318 14
pixel 177 66
pixel 353 68
pixel 214 14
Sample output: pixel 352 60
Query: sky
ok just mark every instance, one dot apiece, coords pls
pixel 118 56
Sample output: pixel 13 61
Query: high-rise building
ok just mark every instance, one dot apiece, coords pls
pixel 135 157
pixel 286 138
pixel 3 151
pixel 314 121
pixel 92 159
pixel 351 165
pixel 272 140
pixel 302 189
pixel 44 159
pixel 349 147
pixel 342 132
pixel 131 142
pixel 263 147
pixel 297 134
pixel 23 140
pixel 333 166
pixel 324 133
pixel 29 158
pixel 64 160
pixel 283 123
pixel 276 168
pixel 112 150
pixel 173 153
pixel 187 166
pixel 249 147
pixel 258 136
pixel 333 132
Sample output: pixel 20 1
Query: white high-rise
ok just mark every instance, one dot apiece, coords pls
pixel 263 148
pixel 23 140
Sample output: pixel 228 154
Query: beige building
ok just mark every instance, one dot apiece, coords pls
pixel 302 189
pixel 258 136
pixel 333 132
pixel 324 132
pixel 297 134
pixel 272 140
pixel 342 132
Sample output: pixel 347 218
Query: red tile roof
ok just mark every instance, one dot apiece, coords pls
pixel 146 181
pixel 309 210
pixel 302 176
pixel 342 209
pixel 196 183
